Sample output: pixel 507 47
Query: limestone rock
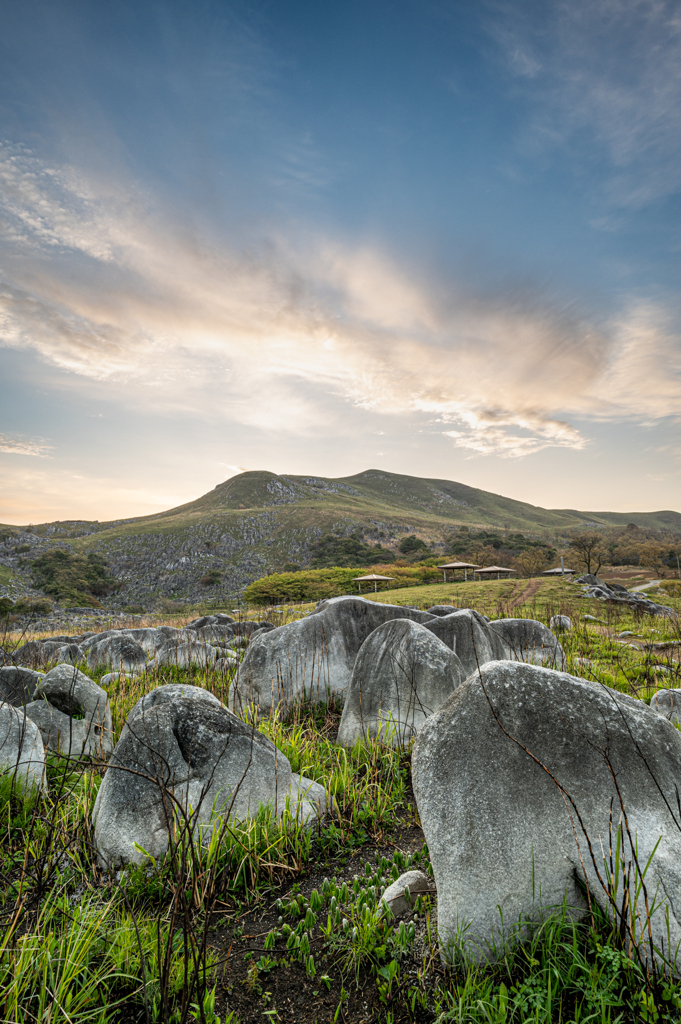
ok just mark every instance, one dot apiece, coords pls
pixel 33 654
pixel 22 755
pixel 668 704
pixel 117 652
pixel 181 740
pixel 69 654
pixel 403 674
pixel 212 632
pixel 185 653
pixel 467 633
pixel 400 897
pixel 312 656
pixel 502 834
pixel 443 609
pixel 63 693
pixel 560 623
pixel 17 684
pixel 529 640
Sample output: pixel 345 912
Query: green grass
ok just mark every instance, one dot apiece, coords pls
pixel 169 942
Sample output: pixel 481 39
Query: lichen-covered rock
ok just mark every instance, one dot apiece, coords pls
pixel 180 746
pixel 467 633
pixel 313 656
pixel 212 631
pixel 69 654
pixel 668 704
pixel 185 654
pixel 403 674
pixel 512 775
pixel 530 641
pixel 22 755
pixel 72 713
pixel 17 684
pixel 117 652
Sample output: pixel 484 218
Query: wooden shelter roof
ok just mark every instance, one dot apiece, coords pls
pixel 458 565
pixel 370 578
pixel 496 568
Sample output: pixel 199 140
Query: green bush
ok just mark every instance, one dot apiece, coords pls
pixel 317 584
pixel 76 580
pixel 6 606
pixel 409 545
pixel 33 606
pixel 332 551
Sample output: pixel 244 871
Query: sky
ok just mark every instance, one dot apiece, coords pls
pixel 434 237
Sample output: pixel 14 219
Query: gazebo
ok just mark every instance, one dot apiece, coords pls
pixel 558 571
pixel 489 570
pixel 457 565
pixel 372 578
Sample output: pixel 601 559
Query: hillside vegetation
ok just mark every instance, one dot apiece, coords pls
pixel 258 523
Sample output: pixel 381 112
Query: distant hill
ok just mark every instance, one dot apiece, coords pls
pixel 258 522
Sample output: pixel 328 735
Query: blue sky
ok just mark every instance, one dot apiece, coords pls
pixel 435 238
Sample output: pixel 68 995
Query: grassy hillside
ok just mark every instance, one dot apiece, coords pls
pixel 258 522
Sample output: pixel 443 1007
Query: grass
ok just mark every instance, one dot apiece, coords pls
pixel 270 921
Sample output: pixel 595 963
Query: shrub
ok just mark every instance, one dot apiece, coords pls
pixel 6 606
pixel 409 545
pixel 317 584
pixel 211 578
pixel 332 551
pixel 76 580
pixel 33 606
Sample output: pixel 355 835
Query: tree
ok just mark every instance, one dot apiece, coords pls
pixel 533 561
pixel 409 545
pixel 589 550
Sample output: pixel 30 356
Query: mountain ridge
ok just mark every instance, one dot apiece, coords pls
pixel 258 521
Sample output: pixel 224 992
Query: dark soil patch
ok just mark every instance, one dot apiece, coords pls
pixel 257 983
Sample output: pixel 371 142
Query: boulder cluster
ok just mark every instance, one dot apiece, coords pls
pixel 615 593
pixel 208 640
pixel 525 776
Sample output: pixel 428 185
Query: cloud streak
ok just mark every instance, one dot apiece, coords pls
pixel 610 69
pixel 104 283
pixel 14 445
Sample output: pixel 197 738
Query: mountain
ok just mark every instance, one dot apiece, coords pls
pixel 258 521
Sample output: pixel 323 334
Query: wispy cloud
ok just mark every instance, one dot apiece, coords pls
pixel 273 339
pixel 610 69
pixel 16 445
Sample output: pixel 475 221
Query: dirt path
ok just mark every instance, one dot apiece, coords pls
pixel 526 594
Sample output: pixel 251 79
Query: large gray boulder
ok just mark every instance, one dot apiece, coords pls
pixel 72 713
pixel 117 652
pixel 149 638
pixel 35 654
pixel 90 640
pixel 212 632
pixel 69 654
pixel 311 657
pixel 185 653
pixel 402 675
pixel 22 755
pixel 513 774
pixel 530 641
pixel 181 749
pixel 17 684
pixel 467 633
